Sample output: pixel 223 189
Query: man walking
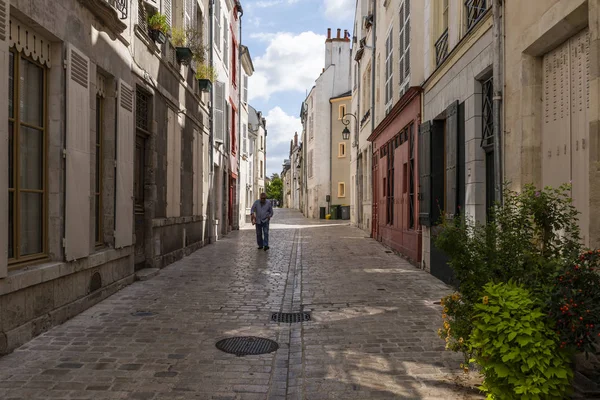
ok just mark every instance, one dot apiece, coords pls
pixel 262 211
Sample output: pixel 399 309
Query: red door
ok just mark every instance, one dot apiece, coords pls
pixel 375 197
pixel 230 211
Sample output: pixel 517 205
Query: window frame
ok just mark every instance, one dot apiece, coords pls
pixel 341 190
pixel 341 150
pixel 17 260
pixel 341 111
pixel 389 70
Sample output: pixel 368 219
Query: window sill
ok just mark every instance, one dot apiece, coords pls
pixel 19 279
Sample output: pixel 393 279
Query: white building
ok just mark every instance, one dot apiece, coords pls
pixel 257 129
pixel 316 118
pixel 246 177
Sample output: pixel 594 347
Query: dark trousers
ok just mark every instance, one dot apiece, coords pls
pixel 262 234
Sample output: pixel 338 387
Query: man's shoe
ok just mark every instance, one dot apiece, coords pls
pixel 266 248
pixel 260 248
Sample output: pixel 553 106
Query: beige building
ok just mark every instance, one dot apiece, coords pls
pixel 552 101
pixel 456 168
pixel 340 151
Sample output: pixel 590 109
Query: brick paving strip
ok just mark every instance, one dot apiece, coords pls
pixel 372 334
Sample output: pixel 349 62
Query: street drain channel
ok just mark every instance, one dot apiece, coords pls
pixel 143 314
pixel 290 318
pixel 247 345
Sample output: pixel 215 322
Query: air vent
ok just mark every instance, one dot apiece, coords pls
pixel 3 15
pixel 95 282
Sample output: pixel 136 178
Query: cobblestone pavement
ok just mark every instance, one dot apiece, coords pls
pixel 372 333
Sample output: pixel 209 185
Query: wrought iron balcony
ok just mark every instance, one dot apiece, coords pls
pixel 475 10
pixel 441 48
pixel 120 6
pixel 111 12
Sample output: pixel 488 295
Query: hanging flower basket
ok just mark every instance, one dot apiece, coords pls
pixel 184 55
pixel 205 85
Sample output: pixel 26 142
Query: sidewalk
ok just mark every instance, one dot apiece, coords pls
pixel 372 332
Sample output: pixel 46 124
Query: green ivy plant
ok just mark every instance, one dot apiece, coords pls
pixel 158 22
pixel 517 347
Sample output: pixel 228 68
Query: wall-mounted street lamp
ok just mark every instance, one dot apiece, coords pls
pixel 346 131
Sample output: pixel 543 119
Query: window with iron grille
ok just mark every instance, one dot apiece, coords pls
pixel 404 47
pixel 475 9
pixel 487 141
pixel 142 111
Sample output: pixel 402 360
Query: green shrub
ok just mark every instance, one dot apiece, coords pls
pixel 575 304
pixel 158 22
pixel 516 347
pixel 529 239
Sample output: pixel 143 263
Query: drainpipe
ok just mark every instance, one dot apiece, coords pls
pixel 369 145
pixel 497 97
pixel 239 131
pixel 330 154
pixel 211 179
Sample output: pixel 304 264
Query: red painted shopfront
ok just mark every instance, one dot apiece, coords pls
pixel 396 178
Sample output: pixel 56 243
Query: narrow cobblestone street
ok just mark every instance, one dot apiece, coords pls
pixel 372 334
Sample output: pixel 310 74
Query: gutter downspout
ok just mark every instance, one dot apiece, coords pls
pixel 239 131
pixel 370 145
pixel 330 154
pixel 211 181
pixel 497 98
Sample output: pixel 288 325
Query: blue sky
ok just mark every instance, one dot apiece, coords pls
pixel 286 39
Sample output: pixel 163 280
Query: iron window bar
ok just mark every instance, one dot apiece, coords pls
pixel 475 10
pixel 487 129
pixel 441 48
pixel 120 6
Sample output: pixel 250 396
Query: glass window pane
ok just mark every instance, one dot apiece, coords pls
pixel 31 213
pixel 11 218
pixel 31 145
pixel 11 85
pixel 31 93
pixel 98 172
pixel 11 155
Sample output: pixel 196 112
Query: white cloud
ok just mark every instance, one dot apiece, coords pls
pixel 266 3
pixel 291 62
pixel 280 131
pixel 339 10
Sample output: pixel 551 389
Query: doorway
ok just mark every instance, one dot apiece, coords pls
pixel 139 214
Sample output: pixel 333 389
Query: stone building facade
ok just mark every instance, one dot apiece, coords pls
pixel 339 179
pixel 106 153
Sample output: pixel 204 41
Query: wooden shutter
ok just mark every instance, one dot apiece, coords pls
pixel 219 134
pixel 4 68
pixel 451 158
pixel 173 165
pixel 125 157
pixel 225 43
pixel 217 24
pixel 245 88
pixel 78 189
pixel 197 173
pixel 425 174
pixel 167 7
pixel 438 169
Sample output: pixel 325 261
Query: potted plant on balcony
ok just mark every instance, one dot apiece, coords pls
pixel 158 27
pixel 183 51
pixel 206 75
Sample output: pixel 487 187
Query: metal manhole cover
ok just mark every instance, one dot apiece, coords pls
pixel 143 314
pixel 290 318
pixel 247 345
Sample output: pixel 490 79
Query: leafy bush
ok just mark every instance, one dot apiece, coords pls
pixel 529 239
pixel 204 71
pixel 516 346
pixel 575 304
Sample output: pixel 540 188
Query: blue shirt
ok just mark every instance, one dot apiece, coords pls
pixel 263 211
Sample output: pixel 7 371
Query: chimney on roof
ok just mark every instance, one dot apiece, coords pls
pixel 346 35
pixel 339 31
pixel 328 33
pixel 296 139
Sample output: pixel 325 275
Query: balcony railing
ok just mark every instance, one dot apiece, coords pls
pixel 120 6
pixel 475 10
pixel 441 48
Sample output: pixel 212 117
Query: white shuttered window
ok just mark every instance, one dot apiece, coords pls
pixel 125 157
pixel 219 112
pixel 78 188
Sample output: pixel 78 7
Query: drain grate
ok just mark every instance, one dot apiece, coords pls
pixel 143 314
pixel 290 318
pixel 247 345
pixel 389 251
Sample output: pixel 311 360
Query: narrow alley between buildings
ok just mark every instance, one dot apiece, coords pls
pixel 371 332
